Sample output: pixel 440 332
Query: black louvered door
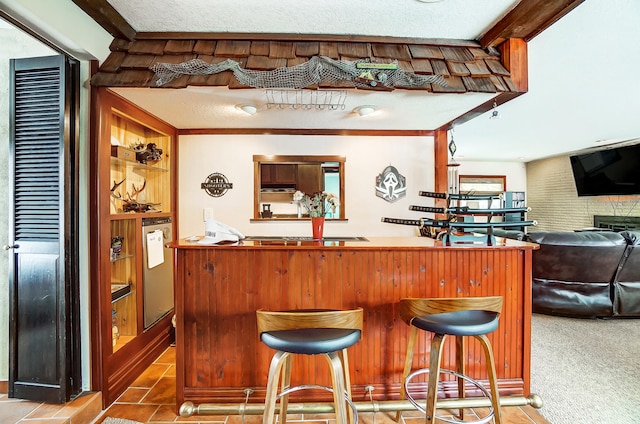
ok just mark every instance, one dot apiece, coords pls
pixel 44 363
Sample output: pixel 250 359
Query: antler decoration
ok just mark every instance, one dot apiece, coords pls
pixel 130 202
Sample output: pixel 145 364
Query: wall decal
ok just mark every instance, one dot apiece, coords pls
pixel 216 185
pixel 390 185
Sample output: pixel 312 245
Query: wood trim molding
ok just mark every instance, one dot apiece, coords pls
pixel 4 387
pixel 441 159
pixel 528 19
pixel 515 58
pixel 307 131
pixel 451 42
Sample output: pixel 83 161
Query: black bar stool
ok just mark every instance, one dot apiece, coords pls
pixel 310 332
pixel 460 317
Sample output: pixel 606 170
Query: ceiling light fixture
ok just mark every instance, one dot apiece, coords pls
pixel 364 110
pixel 248 109
pixel 298 99
pixel 495 114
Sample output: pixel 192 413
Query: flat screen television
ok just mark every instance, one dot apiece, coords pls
pixel 614 171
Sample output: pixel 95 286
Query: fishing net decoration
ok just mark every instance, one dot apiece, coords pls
pixel 318 70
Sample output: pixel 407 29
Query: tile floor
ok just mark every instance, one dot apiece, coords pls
pixel 151 400
pixel 82 410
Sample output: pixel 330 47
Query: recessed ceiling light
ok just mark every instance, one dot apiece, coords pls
pixel 365 110
pixel 248 109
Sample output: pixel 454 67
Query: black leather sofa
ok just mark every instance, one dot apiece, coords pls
pixel 586 274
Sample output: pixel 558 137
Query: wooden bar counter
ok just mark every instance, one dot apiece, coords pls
pixel 219 288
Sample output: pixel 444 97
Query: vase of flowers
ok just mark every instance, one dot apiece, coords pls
pixel 316 205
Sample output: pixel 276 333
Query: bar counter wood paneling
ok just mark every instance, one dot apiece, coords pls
pixel 219 288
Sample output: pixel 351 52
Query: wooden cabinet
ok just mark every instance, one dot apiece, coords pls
pixel 310 178
pixel 132 180
pixel 278 175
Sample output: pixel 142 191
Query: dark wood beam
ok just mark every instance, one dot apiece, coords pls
pixel 107 17
pixel 528 19
pixel 336 38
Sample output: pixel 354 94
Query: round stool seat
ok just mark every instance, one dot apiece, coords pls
pixel 311 341
pixel 459 323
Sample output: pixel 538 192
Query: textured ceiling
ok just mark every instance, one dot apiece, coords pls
pixel 457 19
pixel 214 107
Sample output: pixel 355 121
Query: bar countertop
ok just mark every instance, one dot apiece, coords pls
pixel 359 243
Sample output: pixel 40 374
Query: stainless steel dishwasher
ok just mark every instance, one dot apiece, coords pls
pixel 157 280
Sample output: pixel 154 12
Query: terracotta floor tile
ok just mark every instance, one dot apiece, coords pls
pixel 13 410
pixel 171 372
pixel 89 412
pixel 48 421
pixel 249 419
pixel 163 393
pixel 135 412
pixel 132 395
pixel 149 377
pixel 46 411
pixel 163 414
pixel 167 357
pixel 378 418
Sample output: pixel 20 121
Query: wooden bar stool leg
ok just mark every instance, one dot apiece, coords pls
pixel 493 378
pixel 286 383
pixel 408 361
pixel 461 368
pixel 271 396
pixel 337 378
pixel 344 358
pixel 435 356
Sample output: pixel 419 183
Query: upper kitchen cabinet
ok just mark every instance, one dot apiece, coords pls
pixel 133 179
pixel 278 175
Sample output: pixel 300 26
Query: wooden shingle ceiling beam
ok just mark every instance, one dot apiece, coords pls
pixel 108 18
pixel 528 19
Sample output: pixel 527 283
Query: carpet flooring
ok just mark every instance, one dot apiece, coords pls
pixel 586 370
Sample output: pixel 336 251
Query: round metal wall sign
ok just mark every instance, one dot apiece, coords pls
pixel 216 185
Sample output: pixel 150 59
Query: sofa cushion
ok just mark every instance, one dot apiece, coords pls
pixel 577 238
pixel 587 300
pixel 584 257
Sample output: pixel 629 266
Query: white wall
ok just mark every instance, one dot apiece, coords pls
pixel 366 158
pixel 516 172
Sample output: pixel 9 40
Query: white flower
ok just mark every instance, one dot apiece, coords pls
pixel 333 199
pixel 298 196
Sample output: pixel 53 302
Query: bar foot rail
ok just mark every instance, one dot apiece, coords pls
pixel 187 409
